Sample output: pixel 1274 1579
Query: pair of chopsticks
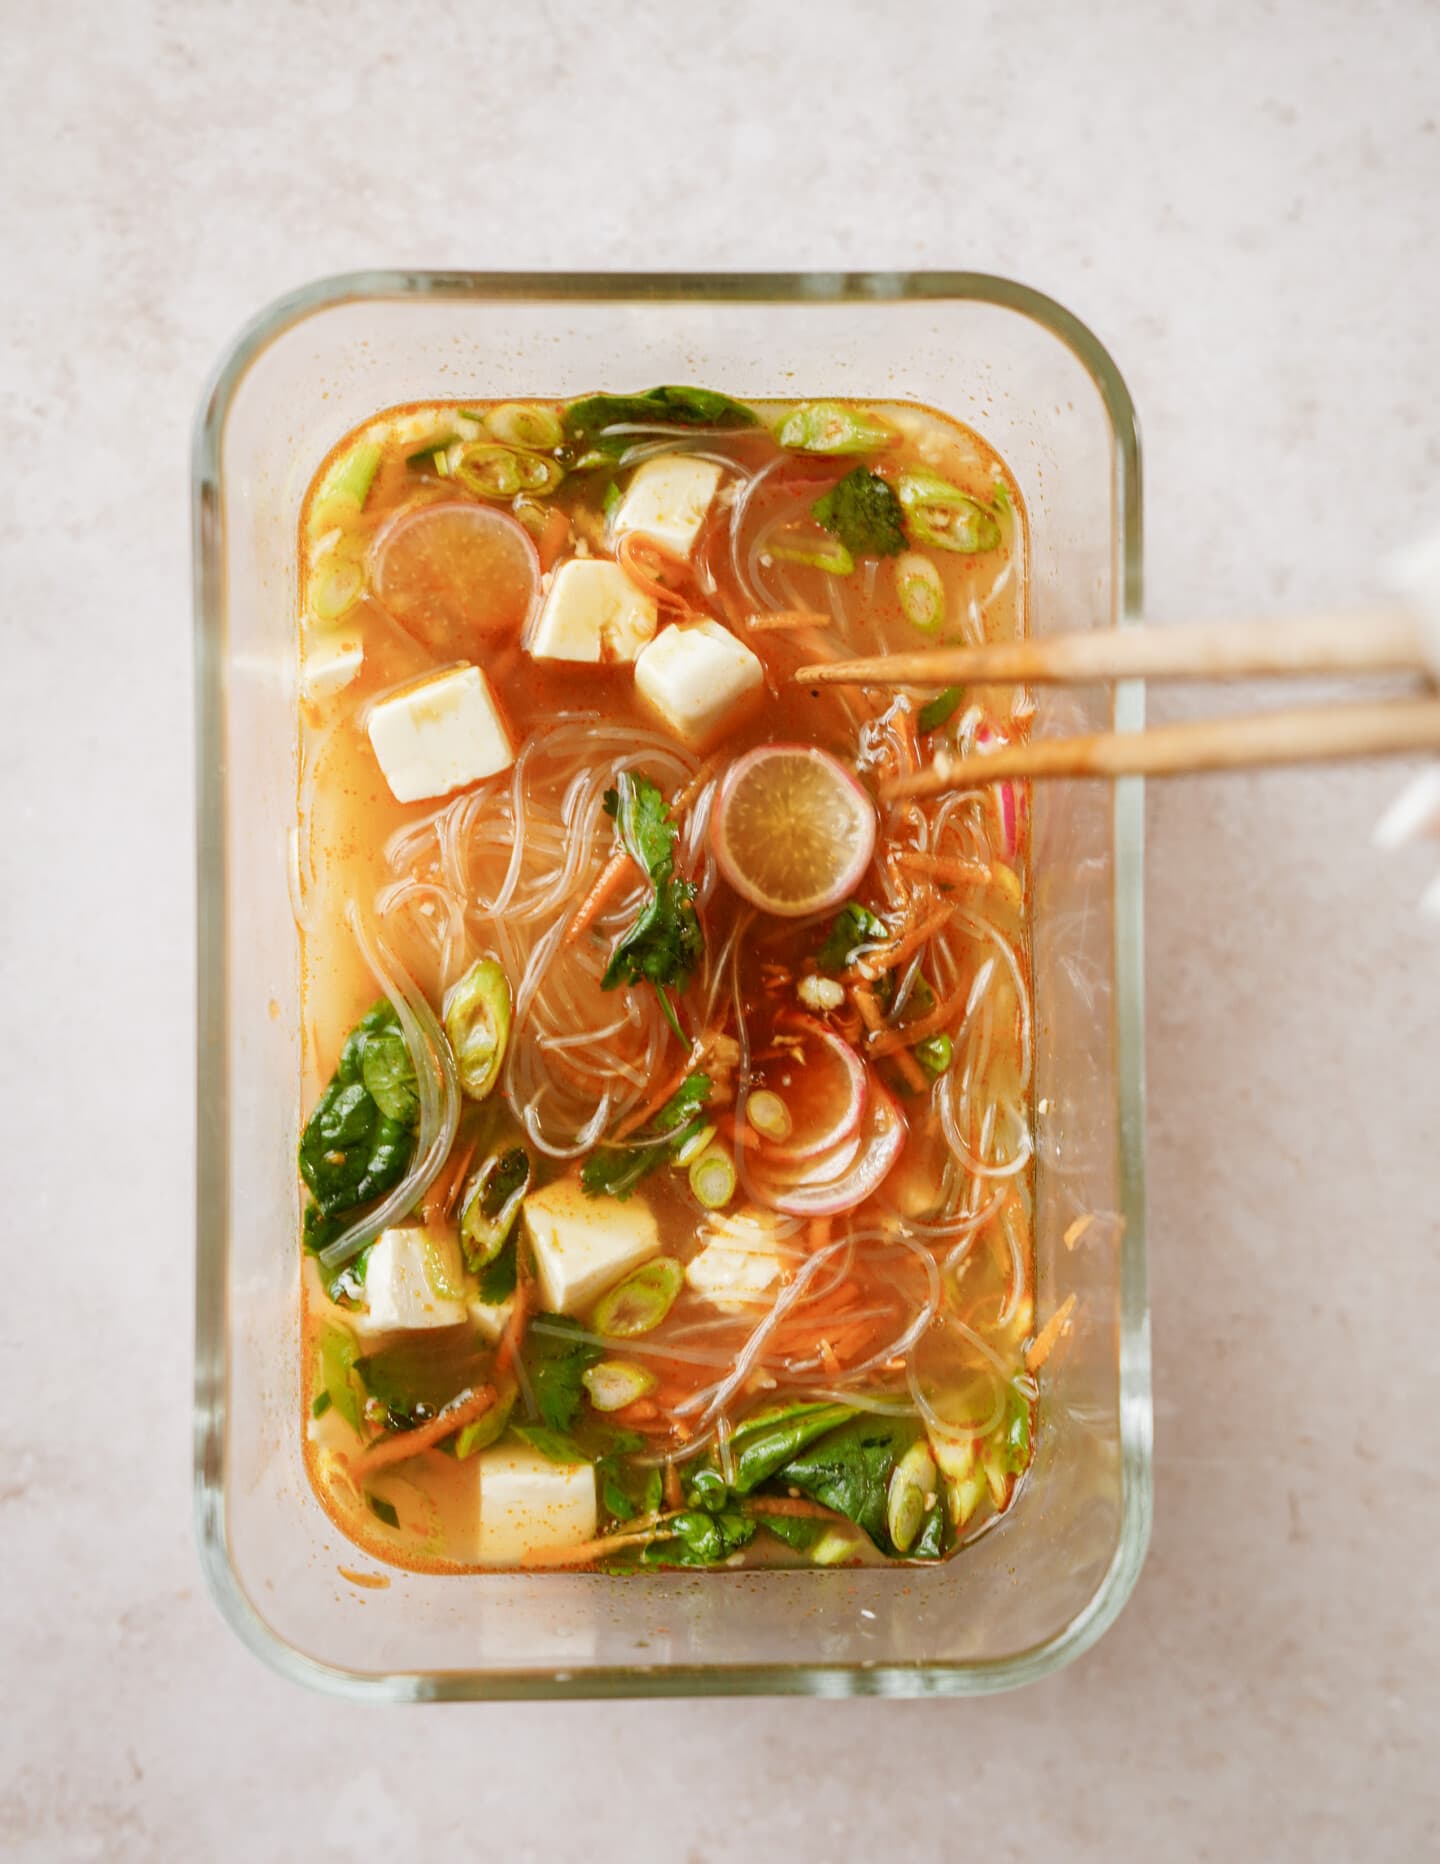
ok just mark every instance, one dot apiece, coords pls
pixel 1382 640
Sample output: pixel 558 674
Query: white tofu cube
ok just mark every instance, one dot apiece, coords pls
pixel 329 661
pixel 440 735
pixel 405 1275
pixel 741 1260
pixel 582 1245
pixel 491 1318
pixel 529 1504
pixel 667 499
pixel 698 680
pixel 592 611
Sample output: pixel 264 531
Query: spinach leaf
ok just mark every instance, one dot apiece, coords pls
pixel 702 1539
pixel 616 1170
pixel 930 1542
pixel 798 1531
pixel 853 926
pixel 351 1150
pixel 626 1491
pixel 850 1471
pixel 417 1377
pixel 389 1077
pixel 665 944
pixel 554 1363
pixel 864 513
pixel 674 406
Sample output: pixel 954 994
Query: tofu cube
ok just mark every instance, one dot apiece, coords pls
pixel 667 499
pixel 582 1245
pixel 592 611
pixel 490 1318
pixel 404 1274
pixel 440 735
pixel 329 661
pixel 698 680
pixel 740 1261
pixel 529 1504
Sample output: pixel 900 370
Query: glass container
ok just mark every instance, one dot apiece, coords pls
pixel 1057 1567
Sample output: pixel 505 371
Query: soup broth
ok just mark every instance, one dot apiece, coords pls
pixel 666 1177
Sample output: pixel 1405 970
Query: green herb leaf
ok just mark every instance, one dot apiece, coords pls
pixel 616 1170
pixel 418 1376
pixel 934 1055
pixel 673 406
pixel 339 1355
pixel 351 1151
pixel 850 1471
pixel 498 1278
pixel 930 1542
pixel 382 1510
pixel 557 1446
pixel 554 1363
pixel 665 944
pixel 941 709
pixel 864 513
pixel 702 1539
pixel 798 1531
pixel 853 926
pixel 389 1077
pixel 320 1404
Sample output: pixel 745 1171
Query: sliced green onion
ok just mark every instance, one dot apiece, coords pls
pixel 913 1480
pixel 320 1404
pixel 941 514
pixel 614 1383
pixel 339 1350
pixel 921 592
pixel 523 424
pixel 935 1055
pixel 335 586
pixel 712 1178
pixel 477 1022
pixel 964 1493
pixel 834 1548
pixel 612 497
pixel 830 427
pixel 640 1302
pixel 831 556
pixel 537 473
pixel 769 1115
pixel 437 1269
pixel 488 1428
pixel 352 475
pixel 691 1147
pixel 489 471
pixel 941 709
pixel 433 454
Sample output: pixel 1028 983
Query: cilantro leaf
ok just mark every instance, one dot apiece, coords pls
pixel 554 1363
pixel 556 1446
pixel 665 944
pixel 498 1278
pixel 864 513
pixel 853 926
pixel 616 1170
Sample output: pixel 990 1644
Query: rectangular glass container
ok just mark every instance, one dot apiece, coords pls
pixel 1057 1567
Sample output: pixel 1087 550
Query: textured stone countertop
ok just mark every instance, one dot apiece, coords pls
pixel 1242 201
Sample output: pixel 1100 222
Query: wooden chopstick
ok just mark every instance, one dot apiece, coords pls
pixel 1305 735
pixel 1376 640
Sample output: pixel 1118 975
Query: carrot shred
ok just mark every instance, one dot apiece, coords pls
pixel 553 539
pixel 907 946
pixel 1077 1229
pixel 634 1121
pixel 909 744
pixel 514 1332
pixel 828 1359
pixel 638 1411
pixel 399 1449
pixel 636 555
pixel 910 1071
pixel 940 867
pixel 674 1494
pixel 944 1016
pixel 1045 1341
pixel 441 1199
pixel 781 619
pixel 869 1009
pixel 611 877
pixel 798 1505
pixel 584 1551
pixel 817 1233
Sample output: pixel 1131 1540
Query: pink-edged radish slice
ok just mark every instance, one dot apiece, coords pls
pixel 824 1094
pixel 882 1138
pixel 825 1168
pixel 456 577
pixel 792 830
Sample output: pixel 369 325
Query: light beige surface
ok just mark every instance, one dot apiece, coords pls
pixel 1245 209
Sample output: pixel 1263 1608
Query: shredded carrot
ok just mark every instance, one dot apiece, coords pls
pixel 399 1449
pixel 939 867
pixel 784 618
pixel 910 1071
pixel 1045 1341
pixel 869 1009
pixel 514 1330
pixel 641 558
pixel 799 1505
pixel 584 1551
pixel 741 1135
pixel 553 538
pixel 638 1411
pixel 1078 1228
pixel 674 1494
pixel 612 876
pixel 909 744
pixel 828 1359
pixel 446 1188
pixel 683 798
pixel 817 1233
pixel 944 1016
pixel 912 942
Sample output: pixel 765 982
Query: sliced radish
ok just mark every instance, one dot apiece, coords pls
pixel 825 1096
pixel 882 1138
pixel 792 830
pixel 455 576
pixel 824 1168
